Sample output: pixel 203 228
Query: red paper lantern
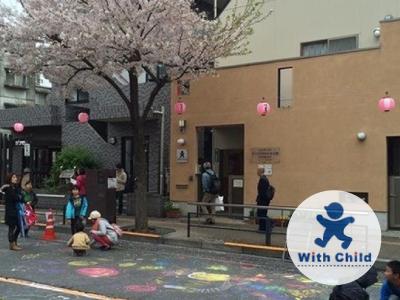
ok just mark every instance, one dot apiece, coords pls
pixel 386 103
pixel 263 108
pixel 18 127
pixel 83 117
pixel 180 107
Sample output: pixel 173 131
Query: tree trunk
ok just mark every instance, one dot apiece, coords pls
pixel 140 171
pixel 139 155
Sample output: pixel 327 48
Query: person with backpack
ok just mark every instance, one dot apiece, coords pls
pixel 104 233
pixel 211 186
pixel 265 193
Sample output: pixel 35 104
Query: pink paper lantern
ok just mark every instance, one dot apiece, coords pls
pixel 83 117
pixel 386 104
pixel 18 127
pixel 263 108
pixel 180 107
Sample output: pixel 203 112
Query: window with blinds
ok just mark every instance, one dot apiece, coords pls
pixel 329 46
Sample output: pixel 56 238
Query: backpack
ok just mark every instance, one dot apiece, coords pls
pixel 215 184
pixel 270 192
pixel 117 229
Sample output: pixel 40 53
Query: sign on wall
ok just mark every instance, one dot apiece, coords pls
pixel 267 169
pixel 181 155
pixel 27 150
pixel 265 155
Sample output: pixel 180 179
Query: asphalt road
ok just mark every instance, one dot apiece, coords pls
pixel 149 271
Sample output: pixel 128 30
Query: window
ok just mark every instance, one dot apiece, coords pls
pixel 285 87
pixel 322 47
pixel 82 96
pixel 14 80
pixel 79 96
pixel 42 82
pixel 160 71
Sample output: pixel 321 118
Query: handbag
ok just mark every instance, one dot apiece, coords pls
pixel 220 201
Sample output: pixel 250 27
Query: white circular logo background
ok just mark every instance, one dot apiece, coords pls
pixel 333 237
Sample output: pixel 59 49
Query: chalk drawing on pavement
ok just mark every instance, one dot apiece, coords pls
pixel 97 272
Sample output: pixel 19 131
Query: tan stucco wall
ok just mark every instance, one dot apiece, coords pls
pixel 335 97
pixel 294 22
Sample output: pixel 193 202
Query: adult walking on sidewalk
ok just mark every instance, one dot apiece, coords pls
pixel 263 199
pixel 211 186
pixel 102 231
pixel 13 198
pixel 76 209
pixel 121 178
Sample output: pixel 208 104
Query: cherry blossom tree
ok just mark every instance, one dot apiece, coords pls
pixel 82 43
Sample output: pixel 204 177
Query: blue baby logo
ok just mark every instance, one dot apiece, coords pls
pixel 334 227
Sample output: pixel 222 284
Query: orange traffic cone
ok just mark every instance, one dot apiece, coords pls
pixel 49 233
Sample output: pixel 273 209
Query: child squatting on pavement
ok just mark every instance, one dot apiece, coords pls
pixel 80 241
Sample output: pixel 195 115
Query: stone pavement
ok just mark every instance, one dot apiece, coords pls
pixel 174 232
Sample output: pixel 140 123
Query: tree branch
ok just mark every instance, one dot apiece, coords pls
pixel 153 77
pixel 77 71
pixel 152 97
pixel 110 81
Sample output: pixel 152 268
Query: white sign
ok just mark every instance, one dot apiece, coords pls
pixel 267 169
pixel 333 237
pixel 181 155
pixel 237 183
pixel 112 183
pixel 27 149
pixel 19 143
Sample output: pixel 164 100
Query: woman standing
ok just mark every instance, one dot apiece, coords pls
pixel 12 198
pixel 76 209
pixel 81 182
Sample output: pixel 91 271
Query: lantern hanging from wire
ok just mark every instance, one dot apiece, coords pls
pixel 180 107
pixel 263 108
pixel 18 127
pixel 386 103
pixel 83 117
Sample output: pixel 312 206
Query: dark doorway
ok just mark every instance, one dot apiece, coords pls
pixel 223 147
pixel 393 150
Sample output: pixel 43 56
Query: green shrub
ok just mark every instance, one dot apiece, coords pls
pixel 69 158
pixel 169 206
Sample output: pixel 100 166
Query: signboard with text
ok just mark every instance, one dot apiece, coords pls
pixel 265 155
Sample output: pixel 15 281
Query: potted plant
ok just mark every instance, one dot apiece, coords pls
pixel 171 211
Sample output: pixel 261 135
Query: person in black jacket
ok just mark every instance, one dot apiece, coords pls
pixel 12 198
pixel 262 198
pixel 355 290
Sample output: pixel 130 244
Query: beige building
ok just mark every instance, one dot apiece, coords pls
pixel 311 27
pixel 309 141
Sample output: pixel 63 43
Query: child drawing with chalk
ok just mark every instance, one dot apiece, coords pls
pixel 80 241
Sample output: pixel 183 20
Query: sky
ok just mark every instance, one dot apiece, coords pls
pixel 12 3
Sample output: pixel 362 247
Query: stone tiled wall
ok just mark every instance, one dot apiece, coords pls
pixel 30 116
pixel 105 105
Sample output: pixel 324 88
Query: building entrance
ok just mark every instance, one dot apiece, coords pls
pixel 223 147
pixel 393 146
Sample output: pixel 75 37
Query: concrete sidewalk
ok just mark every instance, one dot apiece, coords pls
pixel 174 232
